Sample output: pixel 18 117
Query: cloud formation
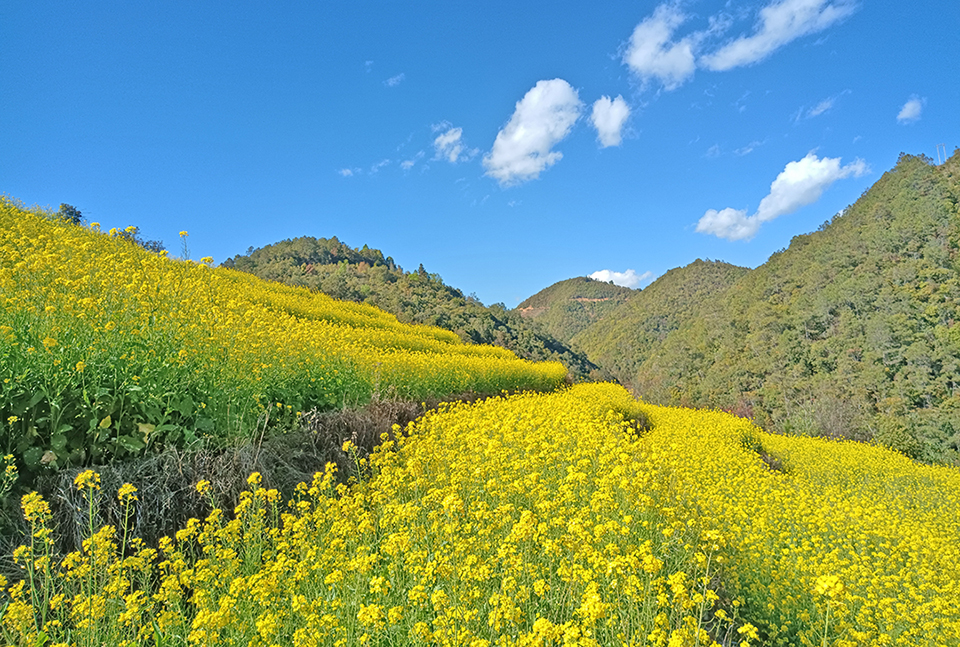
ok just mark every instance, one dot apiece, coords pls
pixel 820 108
pixel 911 110
pixel 394 81
pixel 780 22
pixel 652 54
pixel 379 165
pixel 799 184
pixel 826 105
pixel 628 279
pixel 406 165
pixel 609 117
pixel 449 144
pixel 542 118
pixel 656 53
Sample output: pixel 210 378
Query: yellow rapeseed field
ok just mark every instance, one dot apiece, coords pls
pixel 106 348
pixel 534 519
pixel 526 520
pixel 847 544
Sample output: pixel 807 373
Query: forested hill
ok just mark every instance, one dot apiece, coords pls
pixel 567 307
pixel 367 276
pixel 852 331
pixel 623 340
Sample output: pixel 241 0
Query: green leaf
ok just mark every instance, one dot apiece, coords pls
pixel 184 405
pixel 106 422
pixel 58 442
pixel 32 457
pixel 131 443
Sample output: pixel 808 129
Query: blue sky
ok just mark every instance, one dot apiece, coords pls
pixel 504 145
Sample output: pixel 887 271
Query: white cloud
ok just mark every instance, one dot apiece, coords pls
pixel 651 54
pixel 824 106
pixel 803 182
pixel 449 144
pixel 799 184
pixel 394 81
pixel 749 148
pixel 349 172
pixel 608 117
pixel 911 110
pixel 379 165
pixel 628 279
pixel 820 108
pixel 406 165
pixel 780 22
pixel 732 224
pixel 542 118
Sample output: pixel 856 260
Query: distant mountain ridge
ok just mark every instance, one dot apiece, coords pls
pixel 366 275
pixel 852 331
pixel 568 307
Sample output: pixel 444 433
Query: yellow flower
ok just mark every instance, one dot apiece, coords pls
pixel 87 479
pixel 80 366
pixel 830 586
pixel 748 631
pixel 127 493
pixel 34 507
pixel 49 342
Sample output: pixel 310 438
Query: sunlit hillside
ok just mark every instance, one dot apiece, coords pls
pixel 108 350
pixel 851 331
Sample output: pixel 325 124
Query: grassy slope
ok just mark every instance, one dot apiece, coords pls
pixel 542 518
pixel 109 351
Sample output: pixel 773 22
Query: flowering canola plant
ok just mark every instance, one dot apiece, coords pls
pixel 533 519
pixel 106 348
pixel 524 520
pixel 847 544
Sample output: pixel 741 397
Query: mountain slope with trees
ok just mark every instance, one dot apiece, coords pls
pixel 365 275
pixel 624 339
pixel 567 307
pixel 853 331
